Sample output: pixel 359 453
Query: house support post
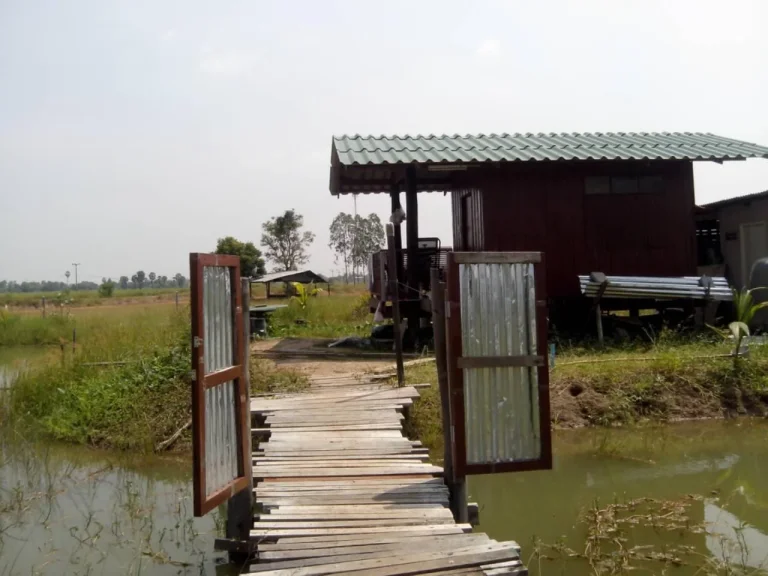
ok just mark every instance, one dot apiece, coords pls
pixel 396 332
pixel 412 239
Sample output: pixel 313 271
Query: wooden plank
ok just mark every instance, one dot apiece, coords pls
pixel 343 534
pixel 497 257
pixel 299 500
pixel 451 541
pixel 314 557
pixel 325 532
pixel 465 362
pixel 388 457
pixel 408 564
pixel 307 524
pixel 350 540
pixel 358 463
pixel 364 481
pixel 272 517
pixel 323 472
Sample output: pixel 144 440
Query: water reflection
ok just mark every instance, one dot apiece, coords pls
pixel 724 462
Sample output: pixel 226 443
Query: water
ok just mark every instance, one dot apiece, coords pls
pixel 70 510
pixel 15 360
pixel 723 464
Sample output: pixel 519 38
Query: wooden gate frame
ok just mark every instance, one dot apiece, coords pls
pixel 202 382
pixel 456 362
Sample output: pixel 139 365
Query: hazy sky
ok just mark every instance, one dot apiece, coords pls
pixel 135 132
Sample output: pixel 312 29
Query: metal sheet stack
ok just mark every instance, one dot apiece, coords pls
pixel 659 288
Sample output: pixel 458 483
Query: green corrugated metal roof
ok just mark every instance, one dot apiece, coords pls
pixel 379 150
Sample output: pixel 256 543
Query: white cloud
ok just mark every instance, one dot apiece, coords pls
pixel 491 48
pixel 232 63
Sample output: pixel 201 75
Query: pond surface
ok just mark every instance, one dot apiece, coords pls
pixel 70 510
pixel 708 482
pixel 17 359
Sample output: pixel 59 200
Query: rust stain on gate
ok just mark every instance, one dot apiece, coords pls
pixel 220 411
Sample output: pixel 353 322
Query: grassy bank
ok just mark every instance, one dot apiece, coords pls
pixel 672 380
pixel 125 384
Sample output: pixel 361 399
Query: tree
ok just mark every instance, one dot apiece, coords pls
pixel 367 237
pixel 124 282
pixel 162 281
pixel 180 280
pixel 251 261
pixel 341 240
pixel 139 279
pixel 152 277
pixel 107 288
pixel 286 245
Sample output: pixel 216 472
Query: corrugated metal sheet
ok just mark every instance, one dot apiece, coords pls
pixel 303 276
pixel 498 318
pixel 659 288
pixel 431 149
pixel 218 329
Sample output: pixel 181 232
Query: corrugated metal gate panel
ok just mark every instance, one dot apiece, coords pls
pixel 498 312
pixel 497 372
pixel 221 433
pixel 220 418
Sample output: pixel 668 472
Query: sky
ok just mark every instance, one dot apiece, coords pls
pixel 135 132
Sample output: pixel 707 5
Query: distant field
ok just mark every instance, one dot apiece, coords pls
pixel 79 298
pixel 84 298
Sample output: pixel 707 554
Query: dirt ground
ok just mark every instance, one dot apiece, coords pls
pixel 312 357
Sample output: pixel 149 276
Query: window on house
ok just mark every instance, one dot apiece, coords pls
pixel 623 184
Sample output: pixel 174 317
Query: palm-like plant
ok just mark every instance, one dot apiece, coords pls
pixel 745 310
pixel 303 293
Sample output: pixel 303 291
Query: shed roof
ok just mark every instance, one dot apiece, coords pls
pixel 736 200
pixel 380 150
pixel 302 276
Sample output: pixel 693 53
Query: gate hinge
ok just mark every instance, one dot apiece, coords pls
pixel 197 342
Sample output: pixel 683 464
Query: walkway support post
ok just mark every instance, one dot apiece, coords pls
pixel 240 506
pixel 456 487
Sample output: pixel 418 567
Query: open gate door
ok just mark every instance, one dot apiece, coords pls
pixel 220 414
pixel 498 377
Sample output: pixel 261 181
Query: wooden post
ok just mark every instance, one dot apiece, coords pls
pixel 412 233
pixel 43 306
pixel 74 339
pixel 599 319
pixel 438 328
pixel 240 506
pixel 394 195
pixel 395 294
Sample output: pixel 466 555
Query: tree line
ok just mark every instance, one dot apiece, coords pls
pixel 137 281
pixel 285 246
pixel 352 238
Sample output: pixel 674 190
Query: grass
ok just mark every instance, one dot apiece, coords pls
pixel 266 377
pixel 132 405
pixel 324 317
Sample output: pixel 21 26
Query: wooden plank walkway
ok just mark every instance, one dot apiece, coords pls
pixel 343 491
